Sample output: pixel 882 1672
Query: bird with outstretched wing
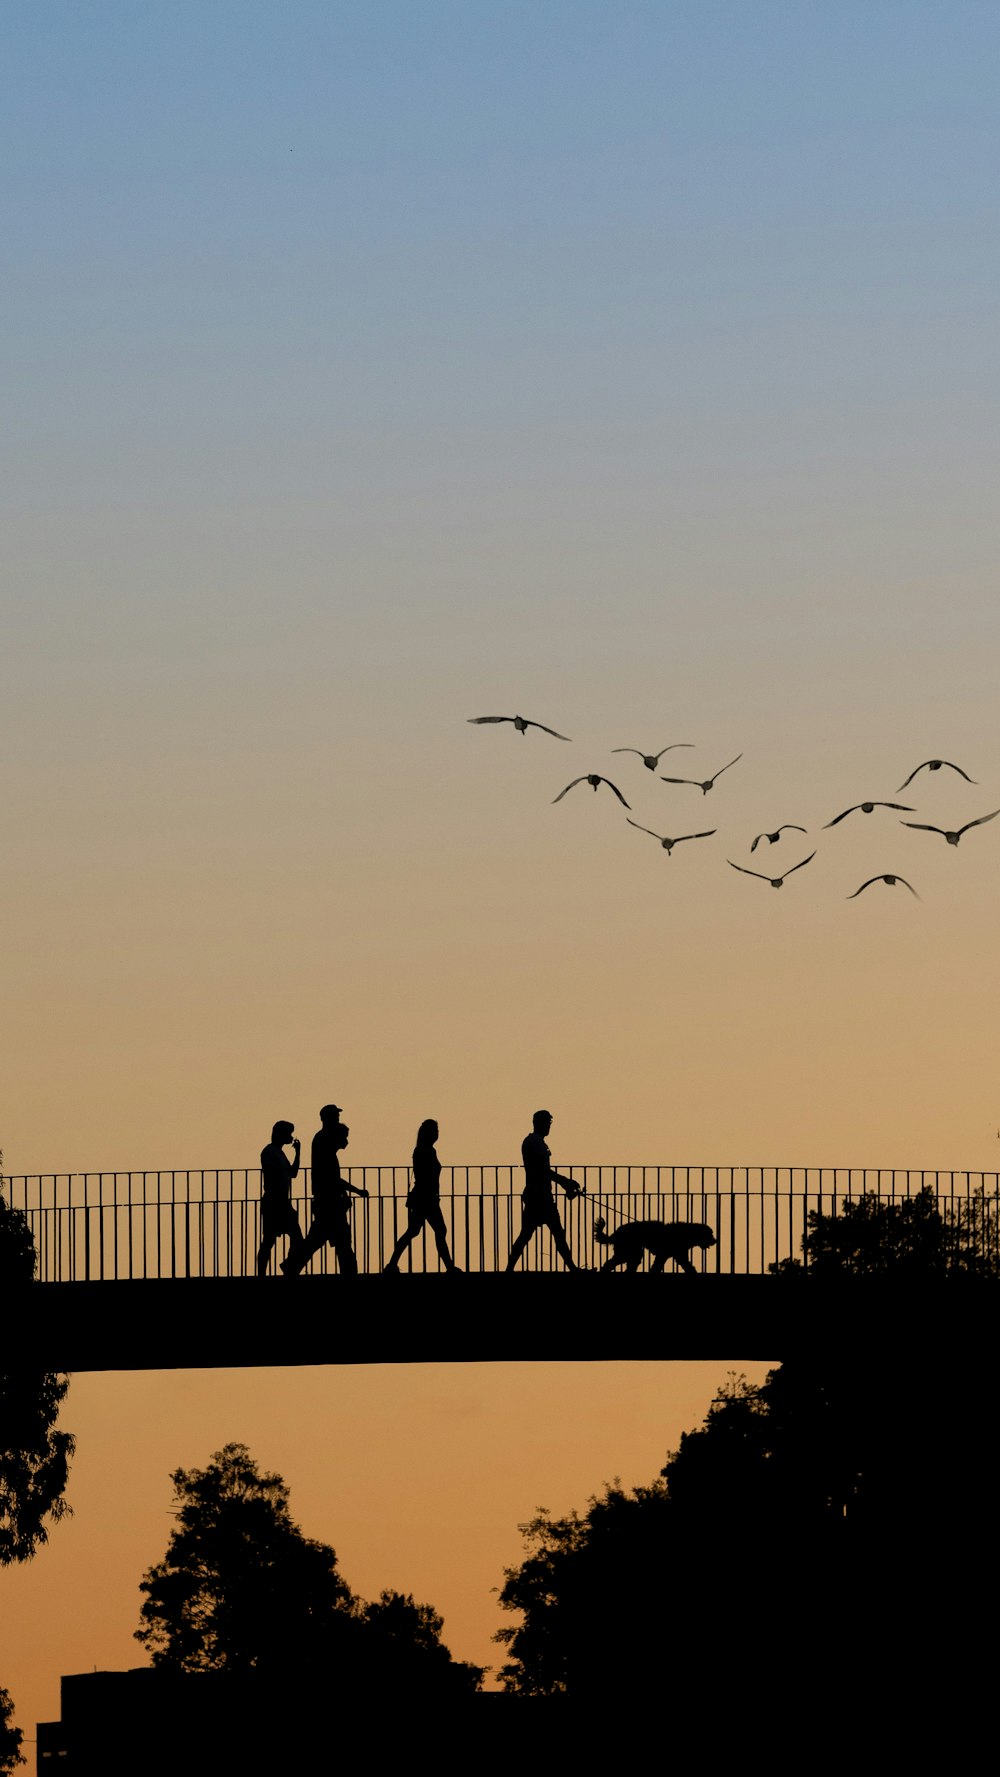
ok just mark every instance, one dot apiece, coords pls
pixel 775 881
pixel 593 779
pixel 668 844
pixel 952 836
pixel 935 765
pixel 521 723
pixel 704 785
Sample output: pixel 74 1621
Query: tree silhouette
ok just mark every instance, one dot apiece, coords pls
pixel 241 1590
pixel 10 1737
pixel 811 1513
pixel 34 1459
pixel 17 1249
pixel 240 1587
pixel 870 1237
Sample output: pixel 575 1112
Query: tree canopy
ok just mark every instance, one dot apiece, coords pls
pixel 10 1736
pixel 17 1248
pixel 34 1459
pixel 34 1456
pixel 909 1238
pixel 242 1590
pixel 807 1511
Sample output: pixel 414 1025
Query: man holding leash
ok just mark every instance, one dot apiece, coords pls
pixel 538 1206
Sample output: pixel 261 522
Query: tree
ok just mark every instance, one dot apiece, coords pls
pixel 10 1737
pixel 242 1591
pixel 912 1238
pixel 402 1643
pixel 240 1588
pixel 17 1249
pixel 34 1459
pixel 813 1512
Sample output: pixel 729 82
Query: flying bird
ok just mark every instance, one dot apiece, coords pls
pixel 772 838
pixel 866 808
pixel 952 838
pixel 708 782
pixel 592 778
pixel 652 760
pixel 891 880
pixel 520 723
pixel 668 844
pixel 935 765
pixel 775 881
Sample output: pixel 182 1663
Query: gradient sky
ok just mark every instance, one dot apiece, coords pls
pixel 371 367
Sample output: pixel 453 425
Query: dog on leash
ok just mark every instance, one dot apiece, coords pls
pixel 665 1240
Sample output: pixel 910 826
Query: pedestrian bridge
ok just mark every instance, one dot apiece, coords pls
pixel 156 1269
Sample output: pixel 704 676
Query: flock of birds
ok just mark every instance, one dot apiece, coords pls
pixel 651 762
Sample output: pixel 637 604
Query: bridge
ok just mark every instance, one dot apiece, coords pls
pixel 156 1269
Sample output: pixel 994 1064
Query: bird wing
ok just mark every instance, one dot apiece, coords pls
pixel 904 807
pixel 843 817
pixel 633 823
pixel 958 768
pixel 529 724
pixel 746 872
pixel 757 841
pixel 723 768
pixel 922 827
pixel 576 780
pixel 881 878
pixel 707 835
pixel 968 824
pixel 490 718
pixel 611 786
pixel 679 780
pixel 790 827
pixel 670 748
pixel 795 867
pixel 913 774
pixel 636 750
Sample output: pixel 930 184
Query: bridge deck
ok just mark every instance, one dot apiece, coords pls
pixel 204 1323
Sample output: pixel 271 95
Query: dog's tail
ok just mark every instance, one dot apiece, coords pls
pixel 599 1234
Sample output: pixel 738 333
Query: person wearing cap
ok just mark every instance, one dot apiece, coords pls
pixel 538 1206
pixel 277 1212
pixel 331 1195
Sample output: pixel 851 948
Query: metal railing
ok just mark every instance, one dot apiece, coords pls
pixel 90 1226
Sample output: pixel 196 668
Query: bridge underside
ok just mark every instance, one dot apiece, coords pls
pixel 235 1322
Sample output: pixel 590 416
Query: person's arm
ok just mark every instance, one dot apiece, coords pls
pixel 294 1168
pixel 356 1190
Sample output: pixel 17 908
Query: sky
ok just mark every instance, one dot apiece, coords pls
pixel 373 367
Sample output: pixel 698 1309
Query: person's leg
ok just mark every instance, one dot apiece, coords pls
pixel 340 1235
pixel 560 1241
pixel 315 1238
pixel 267 1240
pixel 415 1221
pixel 293 1261
pixel 528 1227
pixel 435 1220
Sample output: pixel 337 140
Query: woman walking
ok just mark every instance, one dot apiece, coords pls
pixel 423 1201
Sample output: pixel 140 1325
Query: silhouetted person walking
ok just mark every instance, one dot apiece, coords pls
pixel 538 1206
pixel 331 1195
pixel 277 1215
pixel 423 1201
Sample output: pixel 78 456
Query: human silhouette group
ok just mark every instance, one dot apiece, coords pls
pixel 332 1194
